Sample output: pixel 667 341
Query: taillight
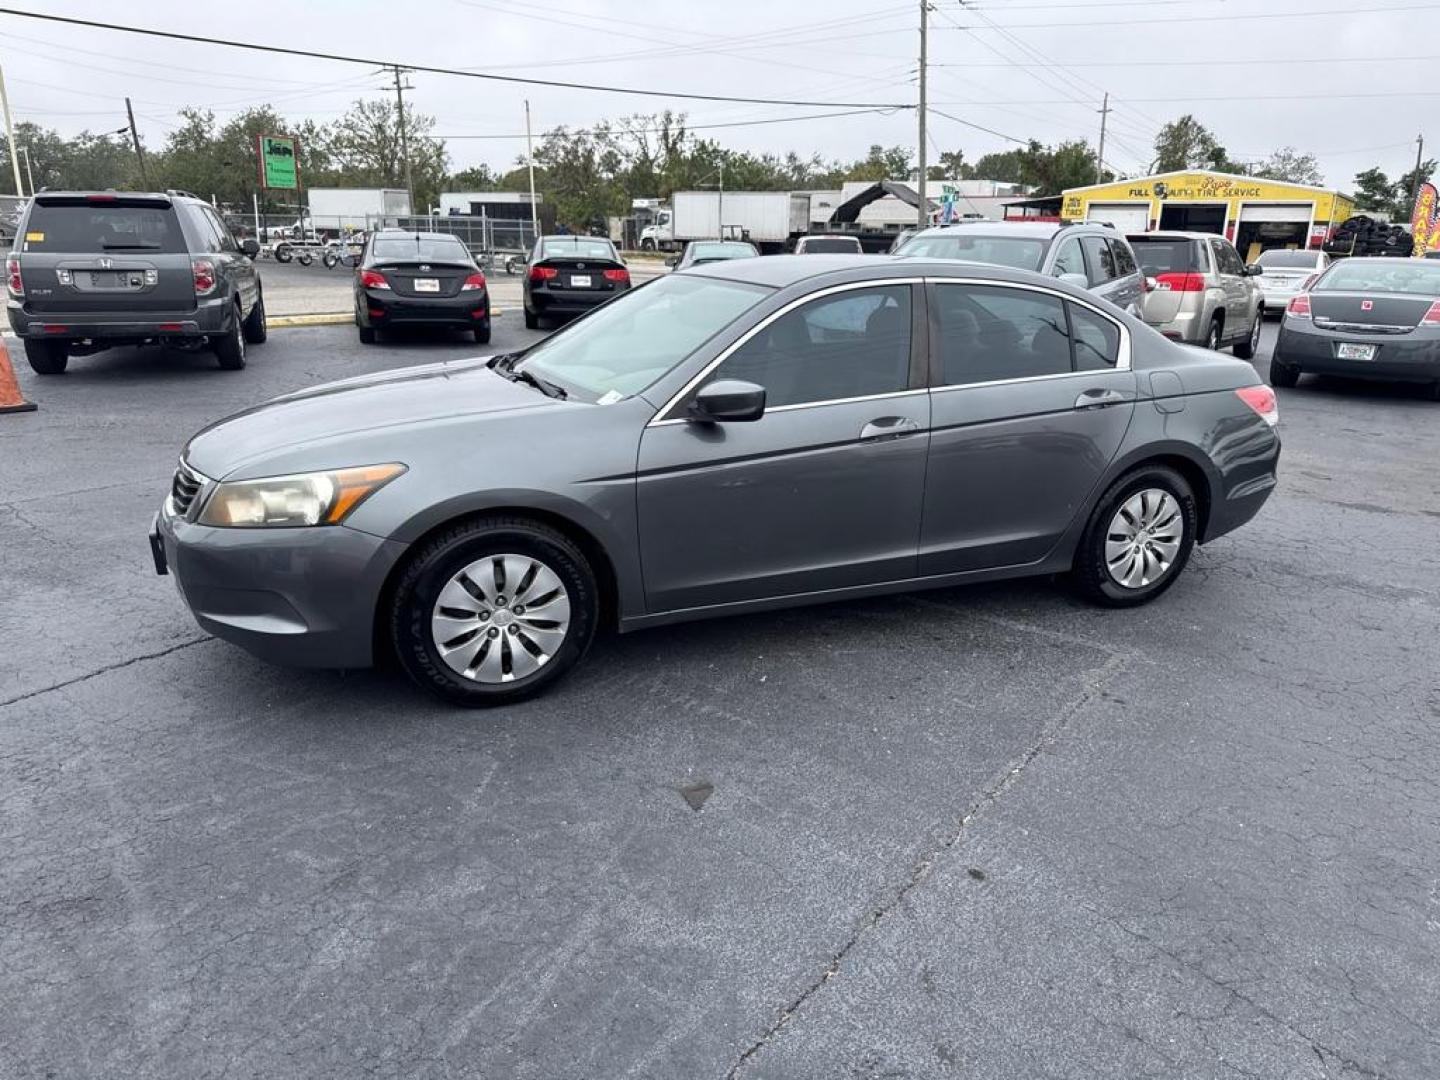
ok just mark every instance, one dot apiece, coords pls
pixel 204 271
pixel 1299 307
pixel 1432 315
pixel 1180 282
pixel 543 273
pixel 620 277
pixel 13 281
pixel 373 279
pixel 473 282
pixel 1262 400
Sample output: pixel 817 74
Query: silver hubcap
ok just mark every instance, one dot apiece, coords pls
pixel 1255 334
pixel 1144 538
pixel 501 618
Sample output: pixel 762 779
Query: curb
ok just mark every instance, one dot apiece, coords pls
pixel 328 318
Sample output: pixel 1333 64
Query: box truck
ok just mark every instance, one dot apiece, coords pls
pixel 771 220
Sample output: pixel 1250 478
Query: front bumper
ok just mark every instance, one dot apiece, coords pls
pixel 468 309
pixel 1398 357
pixel 303 597
pixel 208 317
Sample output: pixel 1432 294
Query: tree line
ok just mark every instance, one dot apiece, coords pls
pixel 591 173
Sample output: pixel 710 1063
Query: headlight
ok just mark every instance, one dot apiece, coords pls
pixel 322 498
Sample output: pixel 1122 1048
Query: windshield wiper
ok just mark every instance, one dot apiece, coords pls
pixel 504 361
pixel 546 387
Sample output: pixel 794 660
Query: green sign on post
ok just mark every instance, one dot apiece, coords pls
pixel 278 167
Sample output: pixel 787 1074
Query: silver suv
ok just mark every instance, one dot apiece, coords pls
pixel 1203 294
pixel 1093 257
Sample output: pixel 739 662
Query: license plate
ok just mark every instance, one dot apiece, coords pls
pixel 107 279
pixel 427 284
pixel 580 281
pixel 1350 351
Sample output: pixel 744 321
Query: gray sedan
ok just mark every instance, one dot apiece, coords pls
pixel 742 436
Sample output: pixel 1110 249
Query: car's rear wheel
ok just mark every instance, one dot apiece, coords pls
pixel 367 335
pixel 482 334
pixel 1282 374
pixel 493 611
pixel 1139 538
pixel 47 357
pixel 532 321
pixel 1212 336
pixel 1246 349
pixel 230 346
pixel 284 253
pixel 255 330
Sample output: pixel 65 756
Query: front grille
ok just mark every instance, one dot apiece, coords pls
pixel 184 488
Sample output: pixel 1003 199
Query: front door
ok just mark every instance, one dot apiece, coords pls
pixel 1031 399
pixel 824 491
pixel 1237 290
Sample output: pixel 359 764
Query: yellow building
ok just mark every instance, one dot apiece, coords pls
pixel 1253 213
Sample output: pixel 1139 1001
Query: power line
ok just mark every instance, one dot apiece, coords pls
pixel 1226 97
pixel 1211 18
pixel 702 127
pixel 375 62
pixel 1267 60
pixel 980 127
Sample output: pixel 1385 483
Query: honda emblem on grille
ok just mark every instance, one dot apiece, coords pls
pixel 106 264
pixel 1367 305
pixel 424 267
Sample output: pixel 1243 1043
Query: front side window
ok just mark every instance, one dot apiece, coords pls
pixel 1226 261
pixel 855 343
pixel 991 332
pixel 1102 261
pixel 1068 259
pixel 1124 260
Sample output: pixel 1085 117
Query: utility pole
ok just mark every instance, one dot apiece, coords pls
pixel 1105 112
pixel 530 164
pixel 1415 183
pixel 923 214
pixel 400 89
pixel 10 135
pixel 139 154
pixel 720 206
pixel 29 169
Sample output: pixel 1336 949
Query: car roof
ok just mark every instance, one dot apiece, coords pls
pixel 722 243
pixel 1173 234
pixel 572 238
pixel 829 236
pixel 781 271
pixel 392 234
pixel 1039 230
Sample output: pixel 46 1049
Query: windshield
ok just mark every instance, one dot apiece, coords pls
pixel 576 247
pixel 713 252
pixel 443 250
pixel 1298 260
pixel 1023 254
pixel 98 227
pixel 841 245
pixel 1166 256
pixel 1413 277
pixel 630 342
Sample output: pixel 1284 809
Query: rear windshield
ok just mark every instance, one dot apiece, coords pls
pixel 1023 254
pixel 1415 278
pixel 825 247
pixel 578 247
pixel 712 252
pixel 1297 260
pixel 91 228
pixel 1167 256
pixel 446 250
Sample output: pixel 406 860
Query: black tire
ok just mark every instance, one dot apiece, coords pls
pixel 438 560
pixel 1282 374
pixel 1212 336
pixel 330 260
pixel 647 244
pixel 304 258
pixel 1090 573
pixel 284 253
pixel 1246 349
pixel 532 321
pixel 254 328
pixel 230 346
pixel 367 335
pixel 482 334
pixel 47 357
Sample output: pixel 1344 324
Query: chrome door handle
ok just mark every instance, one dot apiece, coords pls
pixel 1099 399
pixel 888 427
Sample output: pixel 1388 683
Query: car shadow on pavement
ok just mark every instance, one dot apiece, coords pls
pixel 1337 386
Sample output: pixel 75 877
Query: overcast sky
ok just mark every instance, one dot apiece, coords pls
pixel 1361 106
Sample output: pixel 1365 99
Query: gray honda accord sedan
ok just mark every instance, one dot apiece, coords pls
pixel 744 435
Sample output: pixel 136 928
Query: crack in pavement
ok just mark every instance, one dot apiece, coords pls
pixel 104 670
pixel 1094 682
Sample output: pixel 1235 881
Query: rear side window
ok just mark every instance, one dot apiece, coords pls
pixel 1102 261
pixel 986 333
pixel 1068 259
pixel 1097 340
pixel 853 344
pixel 1124 261
pixel 1177 256
pixel 95 227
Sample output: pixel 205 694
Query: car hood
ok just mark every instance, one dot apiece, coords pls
pixel 429 392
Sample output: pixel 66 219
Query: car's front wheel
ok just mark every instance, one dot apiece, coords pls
pixel 1139 538
pixel 493 611
pixel 47 357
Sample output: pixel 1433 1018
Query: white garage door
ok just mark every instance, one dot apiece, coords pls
pixel 1275 212
pixel 1126 217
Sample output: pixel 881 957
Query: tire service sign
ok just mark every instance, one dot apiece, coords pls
pixel 278 165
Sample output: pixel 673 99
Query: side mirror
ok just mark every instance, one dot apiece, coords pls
pixel 1254 270
pixel 728 401
pixel 673 261
pixel 1080 281
pixel 250 246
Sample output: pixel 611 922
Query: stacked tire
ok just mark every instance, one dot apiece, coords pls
pixel 1363 235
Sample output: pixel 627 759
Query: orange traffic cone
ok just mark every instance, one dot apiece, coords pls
pixel 11 400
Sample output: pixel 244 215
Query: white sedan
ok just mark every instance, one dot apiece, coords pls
pixel 1286 272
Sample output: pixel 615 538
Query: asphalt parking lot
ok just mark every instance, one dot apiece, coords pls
pixel 989 832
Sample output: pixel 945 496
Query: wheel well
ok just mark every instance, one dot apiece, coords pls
pixel 1196 478
pixel 590 547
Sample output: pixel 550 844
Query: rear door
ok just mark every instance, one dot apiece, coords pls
pixel 1129 287
pixel 1236 286
pixel 213 241
pixel 1104 276
pixel 105 253
pixel 1031 395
